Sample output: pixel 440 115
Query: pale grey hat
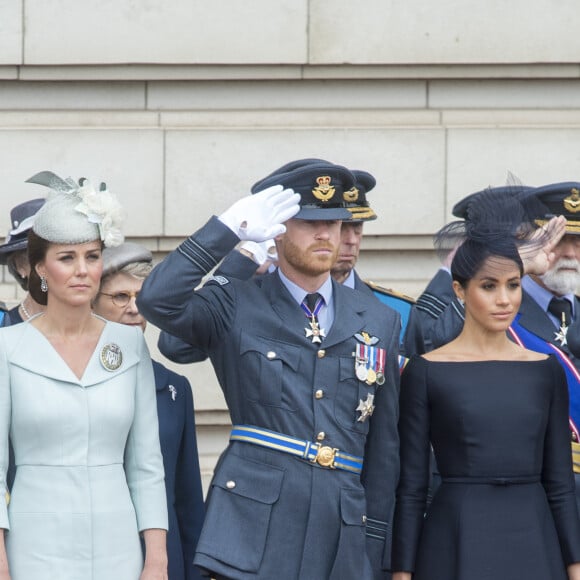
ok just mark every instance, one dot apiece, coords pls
pixel 75 213
pixel 114 259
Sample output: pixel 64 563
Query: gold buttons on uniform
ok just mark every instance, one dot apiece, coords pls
pixel 319 394
pixel 321 436
pixel 230 484
pixel 321 353
pixel 270 354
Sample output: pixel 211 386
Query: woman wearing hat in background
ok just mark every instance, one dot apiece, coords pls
pixel 496 415
pixel 124 269
pixel 77 397
pixel 13 255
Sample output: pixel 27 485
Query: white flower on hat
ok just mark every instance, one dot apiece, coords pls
pixel 75 213
pixel 104 209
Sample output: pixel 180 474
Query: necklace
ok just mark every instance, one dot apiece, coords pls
pixel 26 313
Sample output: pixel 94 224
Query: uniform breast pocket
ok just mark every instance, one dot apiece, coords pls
pixel 350 393
pixel 269 366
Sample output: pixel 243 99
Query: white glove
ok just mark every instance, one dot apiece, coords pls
pixel 260 217
pixel 260 252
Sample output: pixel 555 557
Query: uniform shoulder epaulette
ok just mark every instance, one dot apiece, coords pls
pixel 388 292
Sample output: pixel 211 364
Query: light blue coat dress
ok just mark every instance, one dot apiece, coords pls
pixel 89 472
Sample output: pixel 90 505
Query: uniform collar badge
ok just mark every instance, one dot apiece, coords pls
pixel 111 356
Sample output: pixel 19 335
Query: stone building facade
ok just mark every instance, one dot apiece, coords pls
pixel 180 106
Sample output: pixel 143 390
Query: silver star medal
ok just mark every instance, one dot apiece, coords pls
pixel 173 392
pixel 315 331
pixel 366 408
pixel 561 335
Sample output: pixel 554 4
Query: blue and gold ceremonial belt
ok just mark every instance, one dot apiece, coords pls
pixel 322 455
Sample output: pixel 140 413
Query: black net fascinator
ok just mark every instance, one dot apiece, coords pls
pixel 498 224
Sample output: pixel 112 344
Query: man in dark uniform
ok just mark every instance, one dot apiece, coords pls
pixel 309 370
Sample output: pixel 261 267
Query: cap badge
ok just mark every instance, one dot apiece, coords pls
pixel 351 195
pixel 324 191
pixel 111 356
pixel 572 202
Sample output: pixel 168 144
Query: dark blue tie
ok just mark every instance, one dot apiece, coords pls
pixel 561 309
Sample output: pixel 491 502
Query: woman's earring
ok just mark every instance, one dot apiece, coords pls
pixel 43 284
pixel 461 301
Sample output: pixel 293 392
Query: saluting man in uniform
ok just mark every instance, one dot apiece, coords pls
pixel 305 488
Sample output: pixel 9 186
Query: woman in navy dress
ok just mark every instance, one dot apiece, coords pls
pixel 124 269
pixel 496 416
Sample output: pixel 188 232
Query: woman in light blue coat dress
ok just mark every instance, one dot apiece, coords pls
pixel 77 399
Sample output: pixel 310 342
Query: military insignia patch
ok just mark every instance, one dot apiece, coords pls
pixel 324 190
pixel 366 338
pixel 221 280
pixel 572 202
pixel 111 356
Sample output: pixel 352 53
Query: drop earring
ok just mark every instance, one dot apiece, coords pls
pixel 43 284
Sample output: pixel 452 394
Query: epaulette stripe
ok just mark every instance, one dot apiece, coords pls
pixel 375 536
pixel 197 254
pixel 431 299
pixel 433 312
pixel 377 522
pixel 459 311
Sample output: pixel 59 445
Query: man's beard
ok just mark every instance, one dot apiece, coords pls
pixel 306 262
pixel 562 282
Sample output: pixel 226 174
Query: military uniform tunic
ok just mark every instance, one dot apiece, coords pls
pixel 272 515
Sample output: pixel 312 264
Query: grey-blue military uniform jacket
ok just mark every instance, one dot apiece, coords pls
pixel 269 514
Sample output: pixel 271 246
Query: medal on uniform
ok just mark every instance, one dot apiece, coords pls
pixel 361 362
pixel 371 373
pixel 365 408
pixel 315 333
pixel 562 332
pixel 111 356
pixel 381 358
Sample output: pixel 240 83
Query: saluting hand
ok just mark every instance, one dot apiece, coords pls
pixel 261 216
pixel 538 257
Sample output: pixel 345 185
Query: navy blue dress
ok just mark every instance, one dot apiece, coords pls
pixel 182 475
pixel 506 508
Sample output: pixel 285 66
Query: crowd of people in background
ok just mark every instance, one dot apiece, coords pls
pixel 374 437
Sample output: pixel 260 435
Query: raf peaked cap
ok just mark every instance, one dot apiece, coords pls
pixel 356 198
pixel 560 199
pixel 322 188
pixel 298 163
pixel 460 209
pixel 21 220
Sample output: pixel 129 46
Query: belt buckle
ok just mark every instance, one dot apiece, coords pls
pixel 325 456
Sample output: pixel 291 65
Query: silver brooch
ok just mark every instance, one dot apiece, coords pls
pixel 111 356
pixel 173 392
